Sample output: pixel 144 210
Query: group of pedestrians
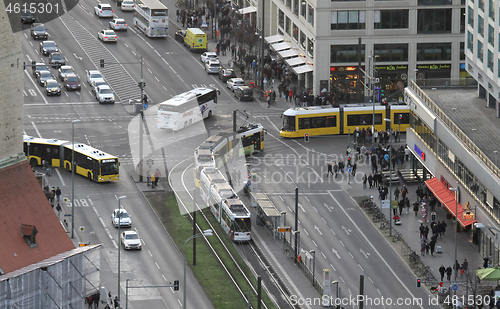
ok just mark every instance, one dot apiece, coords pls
pixel 459 268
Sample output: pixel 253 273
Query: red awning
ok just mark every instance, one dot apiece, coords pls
pixel 447 198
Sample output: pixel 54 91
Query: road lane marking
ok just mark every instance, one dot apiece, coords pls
pixel 150 253
pixel 157 265
pixel 36 130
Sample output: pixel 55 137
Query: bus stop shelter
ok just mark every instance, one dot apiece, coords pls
pixel 267 214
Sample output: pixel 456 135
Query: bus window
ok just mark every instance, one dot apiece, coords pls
pixel 288 123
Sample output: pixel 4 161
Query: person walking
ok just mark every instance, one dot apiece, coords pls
pixel 370 181
pixel 52 195
pixel 465 265
pixel 110 300
pixel 95 299
pixel 268 99
pixel 330 169
pixel 157 177
pixel 59 209
pixel 442 270
pixel 415 208
pixel 58 195
pixel 341 166
pixel 365 179
pixel 336 169
pixel 396 193
pixel 432 246
pixel 449 271
pixel 116 302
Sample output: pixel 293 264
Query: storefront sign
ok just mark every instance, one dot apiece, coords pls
pixel 467 215
pixel 345 69
pixel 391 67
pixel 419 152
pixel 434 66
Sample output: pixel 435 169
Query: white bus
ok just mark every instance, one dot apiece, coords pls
pixel 151 17
pixel 187 108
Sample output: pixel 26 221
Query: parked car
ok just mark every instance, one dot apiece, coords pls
pixel 118 24
pixel 103 10
pixel 43 76
pixel 234 83
pixel 226 74
pixel 212 67
pixel 123 220
pixel 48 47
pixel 208 56
pixel 72 82
pixel 107 36
pixel 56 59
pixel 131 240
pixel 65 70
pixel 27 17
pixel 104 94
pixel 39 66
pixel 180 35
pixel 52 87
pixel 244 93
pixel 127 5
pixel 93 75
pixel 38 31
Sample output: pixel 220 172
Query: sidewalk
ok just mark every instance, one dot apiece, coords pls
pixel 409 229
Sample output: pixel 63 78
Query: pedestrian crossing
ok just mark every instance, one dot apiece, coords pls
pixel 121 82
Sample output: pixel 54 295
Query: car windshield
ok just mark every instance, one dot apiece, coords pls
pixel 49 45
pixel 131 236
pixel 45 75
pixel 57 57
pixel 109 32
pixel 124 214
pixel 52 83
pixel 95 75
pixel 66 70
pixel 72 79
pixel 42 67
pixel 39 28
pixel 99 84
pixel 105 91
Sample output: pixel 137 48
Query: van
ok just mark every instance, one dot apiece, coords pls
pixel 195 39
pixel 244 93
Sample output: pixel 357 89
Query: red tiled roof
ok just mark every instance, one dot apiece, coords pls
pixel 22 201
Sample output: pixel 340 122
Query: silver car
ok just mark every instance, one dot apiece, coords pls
pixel 118 24
pixel 212 67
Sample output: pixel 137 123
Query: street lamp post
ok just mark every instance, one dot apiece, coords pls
pixel 390 179
pixel 73 178
pixel 119 242
pixel 456 222
pixel 314 264
pixel 204 233
pixel 373 57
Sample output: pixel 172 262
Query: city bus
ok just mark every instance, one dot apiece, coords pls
pixel 187 108
pixel 151 17
pixel 90 162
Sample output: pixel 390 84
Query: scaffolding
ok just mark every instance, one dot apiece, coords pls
pixel 62 281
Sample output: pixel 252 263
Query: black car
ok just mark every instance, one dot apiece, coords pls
pixel 43 76
pixel 226 74
pixel 52 87
pixel 27 18
pixel 180 35
pixel 48 47
pixel 56 59
pixel 38 31
pixel 37 67
pixel 244 93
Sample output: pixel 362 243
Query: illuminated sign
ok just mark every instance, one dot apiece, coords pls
pixel 345 69
pixel 419 152
pixel 391 67
pixel 434 66
pixel 468 215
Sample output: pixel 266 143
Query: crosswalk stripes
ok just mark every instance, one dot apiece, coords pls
pixel 120 81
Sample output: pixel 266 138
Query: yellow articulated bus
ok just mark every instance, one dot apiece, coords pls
pixel 90 162
pixel 327 120
pixel 195 39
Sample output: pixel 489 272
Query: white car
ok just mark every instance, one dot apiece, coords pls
pixel 103 10
pixel 118 24
pixel 212 67
pixel 93 75
pixel 124 220
pixel 131 240
pixel 128 5
pixel 107 36
pixel 104 94
pixel 96 83
pixel 234 83
pixel 208 56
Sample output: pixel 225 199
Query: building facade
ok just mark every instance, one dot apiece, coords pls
pixel 483 46
pixel 414 39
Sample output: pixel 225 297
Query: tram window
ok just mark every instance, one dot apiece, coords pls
pixel 304 123
pixel 288 123
pixel 405 118
pixel 363 119
pixel 318 122
pixel 331 121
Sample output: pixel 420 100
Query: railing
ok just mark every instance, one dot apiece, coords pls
pixel 454 128
pixel 445 82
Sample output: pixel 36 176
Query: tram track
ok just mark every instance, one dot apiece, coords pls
pixel 226 249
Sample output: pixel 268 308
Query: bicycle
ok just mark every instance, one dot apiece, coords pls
pixel 397 236
pixel 413 258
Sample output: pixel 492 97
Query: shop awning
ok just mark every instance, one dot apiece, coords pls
pixel 247 10
pixel 280 46
pixel 447 198
pixel 295 61
pixel 302 69
pixel 273 39
pixel 287 53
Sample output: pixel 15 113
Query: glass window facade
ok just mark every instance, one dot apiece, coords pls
pixel 490 60
pixel 462 50
pixel 288 4
pixel 423 131
pixel 471 16
pixel 281 19
pixel 310 14
pixel 295 32
pixel 342 20
pixel 480 25
pixel 434 2
pixel 480 50
pixel 491 7
pixel 491 35
pixel 302 40
pixel 391 52
pixel 434 21
pixel 480 4
pixel 470 41
pixel 433 51
pixel 462 20
pixel 391 19
pixel 310 48
pixel 288 26
pixel 346 53
pixel 296 7
pixel 303 8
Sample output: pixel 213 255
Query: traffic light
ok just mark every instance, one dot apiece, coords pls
pixel 101 63
pixel 418 282
pixel 142 84
pixel 306 137
pixel 176 285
